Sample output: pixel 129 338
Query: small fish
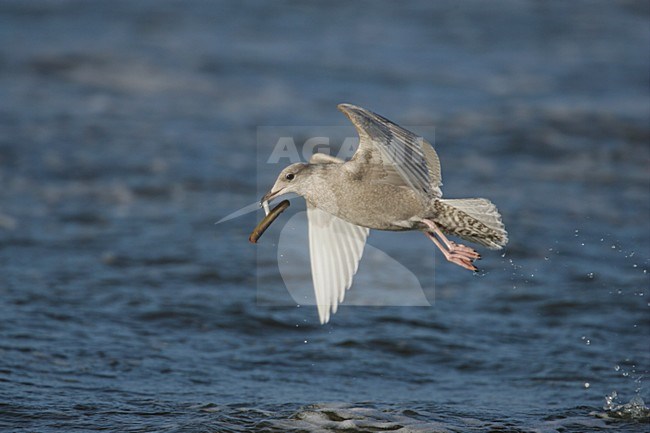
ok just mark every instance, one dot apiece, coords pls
pixel 268 220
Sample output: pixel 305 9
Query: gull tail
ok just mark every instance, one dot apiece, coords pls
pixel 473 219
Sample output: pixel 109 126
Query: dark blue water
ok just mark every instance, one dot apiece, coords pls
pixel 128 128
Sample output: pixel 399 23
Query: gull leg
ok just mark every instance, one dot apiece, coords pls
pixel 455 258
pixel 463 249
pixel 458 254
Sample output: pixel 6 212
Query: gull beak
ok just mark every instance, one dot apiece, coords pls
pixel 269 196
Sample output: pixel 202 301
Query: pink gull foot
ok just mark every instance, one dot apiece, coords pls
pixel 464 250
pixel 458 254
pixel 454 257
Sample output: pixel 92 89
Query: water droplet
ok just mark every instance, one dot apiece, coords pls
pixel 635 265
pixel 305 341
pixel 582 243
pixel 609 401
pixel 590 275
pixel 546 258
pixel 613 247
pixel 617 367
pixel 587 384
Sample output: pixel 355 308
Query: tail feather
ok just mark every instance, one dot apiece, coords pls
pixel 473 219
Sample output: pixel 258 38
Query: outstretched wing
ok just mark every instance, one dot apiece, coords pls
pixel 335 247
pixel 393 154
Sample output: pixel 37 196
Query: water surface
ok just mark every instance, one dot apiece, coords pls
pixel 128 128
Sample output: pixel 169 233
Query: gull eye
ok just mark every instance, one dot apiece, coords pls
pixel 289 176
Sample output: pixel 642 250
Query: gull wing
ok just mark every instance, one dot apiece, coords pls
pixel 335 249
pixel 393 154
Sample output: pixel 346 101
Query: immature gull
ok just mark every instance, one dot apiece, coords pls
pixel 391 183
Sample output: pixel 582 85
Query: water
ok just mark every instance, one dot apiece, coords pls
pixel 128 128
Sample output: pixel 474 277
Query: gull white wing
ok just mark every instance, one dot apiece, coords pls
pixel 335 249
pixel 393 154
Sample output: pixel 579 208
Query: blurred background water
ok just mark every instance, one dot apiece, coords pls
pixel 128 128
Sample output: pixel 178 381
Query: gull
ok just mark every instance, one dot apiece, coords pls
pixel 392 182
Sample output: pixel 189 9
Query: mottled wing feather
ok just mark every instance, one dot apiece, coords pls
pixel 433 164
pixel 335 249
pixel 388 152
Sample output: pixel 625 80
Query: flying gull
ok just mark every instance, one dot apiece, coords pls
pixel 392 183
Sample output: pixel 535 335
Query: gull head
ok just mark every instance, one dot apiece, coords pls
pixel 293 178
